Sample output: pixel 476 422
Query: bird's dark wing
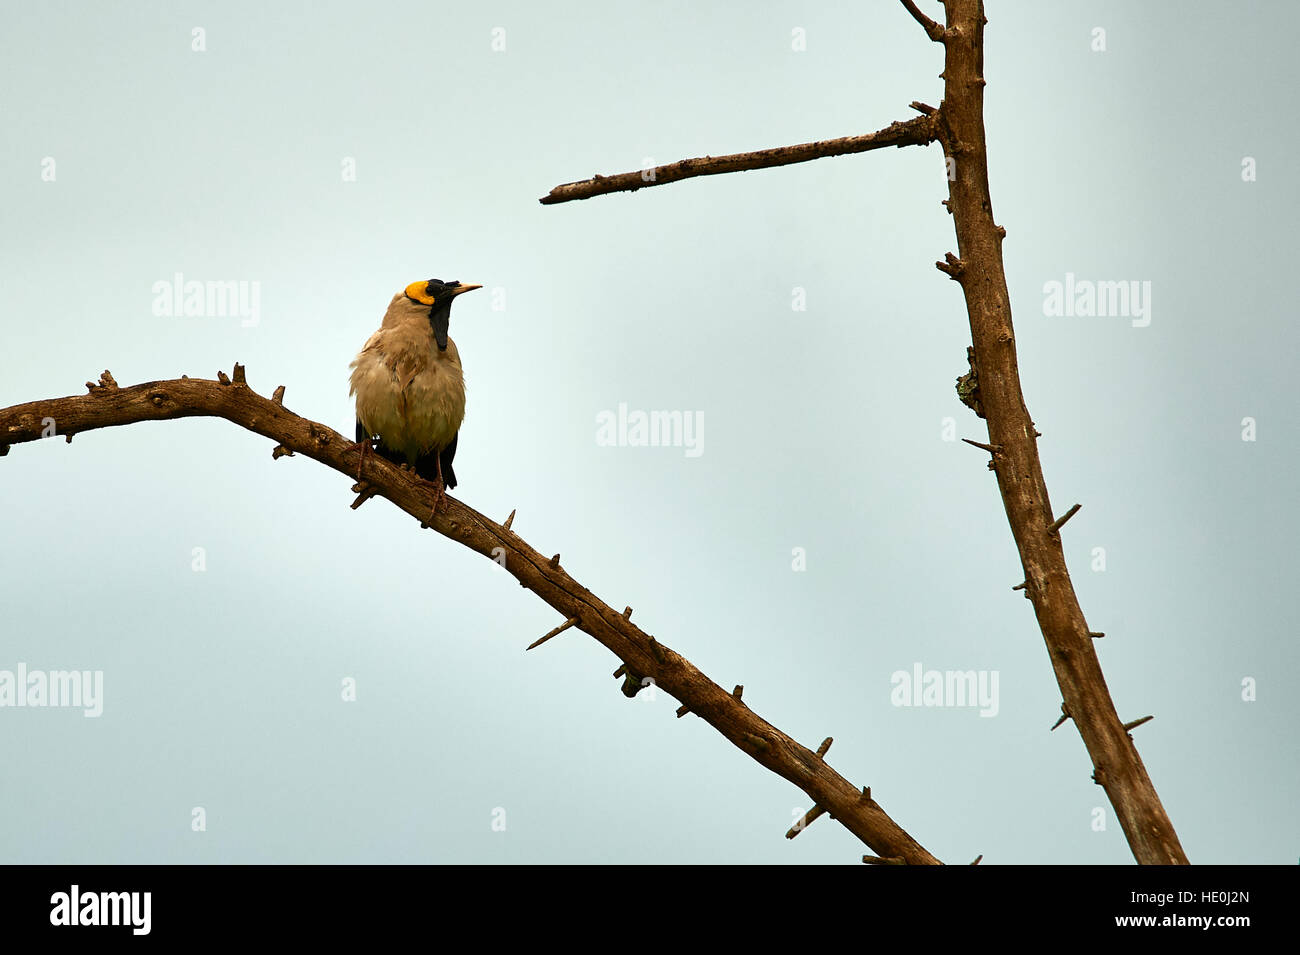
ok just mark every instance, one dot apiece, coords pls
pixel 427 466
pixel 449 455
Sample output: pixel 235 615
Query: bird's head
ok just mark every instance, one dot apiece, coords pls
pixel 438 294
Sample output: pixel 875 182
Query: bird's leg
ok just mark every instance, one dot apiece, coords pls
pixel 439 492
pixel 364 447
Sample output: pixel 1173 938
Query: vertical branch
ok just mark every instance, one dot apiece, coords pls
pixel 978 268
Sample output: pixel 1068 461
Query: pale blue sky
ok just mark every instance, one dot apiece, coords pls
pixel 824 429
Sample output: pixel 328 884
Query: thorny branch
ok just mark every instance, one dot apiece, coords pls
pixel 643 657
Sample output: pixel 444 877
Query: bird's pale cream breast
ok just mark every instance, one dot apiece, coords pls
pixel 409 392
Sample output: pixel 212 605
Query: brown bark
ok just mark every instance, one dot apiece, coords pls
pixel 977 267
pixel 918 130
pixel 643 656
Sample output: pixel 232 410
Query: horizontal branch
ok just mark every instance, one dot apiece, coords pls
pixel 918 131
pixel 109 405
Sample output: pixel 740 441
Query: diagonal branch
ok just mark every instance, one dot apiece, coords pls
pixel 645 660
pixel 918 131
pixel 933 30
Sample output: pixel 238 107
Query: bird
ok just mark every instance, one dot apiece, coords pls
pixel 410 387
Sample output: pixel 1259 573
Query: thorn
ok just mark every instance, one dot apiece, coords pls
pixel 1137 723
pixel 238 374
pixel 280 451
pixel 620 671
pixel 866 794
pixel 4 449
pixel 657 651
pixel 1095 634
pixel 509 520
pixel 1065 715
pixel 1002 234
pixel 952 265
pixel 804 821
pixel 925 108
pixel 67 439
pixel 977 859
pixel 364 493
pixel 883 860
pixel 757 742
pixel 106 383
pixel 682 710
pixel 990 448
pixel 278 395
pixel 739 691
pixel 826 744
pixel 554 562
pixel 1060 521
pixel 554 633
pixel 221 377
pixel 627 613
pixel 947 205
pixel 1021 586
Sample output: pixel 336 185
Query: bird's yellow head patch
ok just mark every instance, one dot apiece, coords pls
pixel 421 291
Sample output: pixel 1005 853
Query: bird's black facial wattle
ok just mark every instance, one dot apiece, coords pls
pixel 440 319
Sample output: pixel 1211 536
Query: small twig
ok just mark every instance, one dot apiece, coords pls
pixel 1060 521
pixel 509 520
pixel 804 821
pixel 933 30
pixel 990 448
pixel 1137 723
pixel 824 747
pixel 886 860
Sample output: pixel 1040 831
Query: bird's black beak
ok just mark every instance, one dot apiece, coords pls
pixel 440 315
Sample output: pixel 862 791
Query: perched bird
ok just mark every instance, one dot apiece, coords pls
pixel 409 385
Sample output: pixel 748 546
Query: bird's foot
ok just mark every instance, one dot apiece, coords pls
pixel 436 486
pixel 439 499
pixel 365 447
